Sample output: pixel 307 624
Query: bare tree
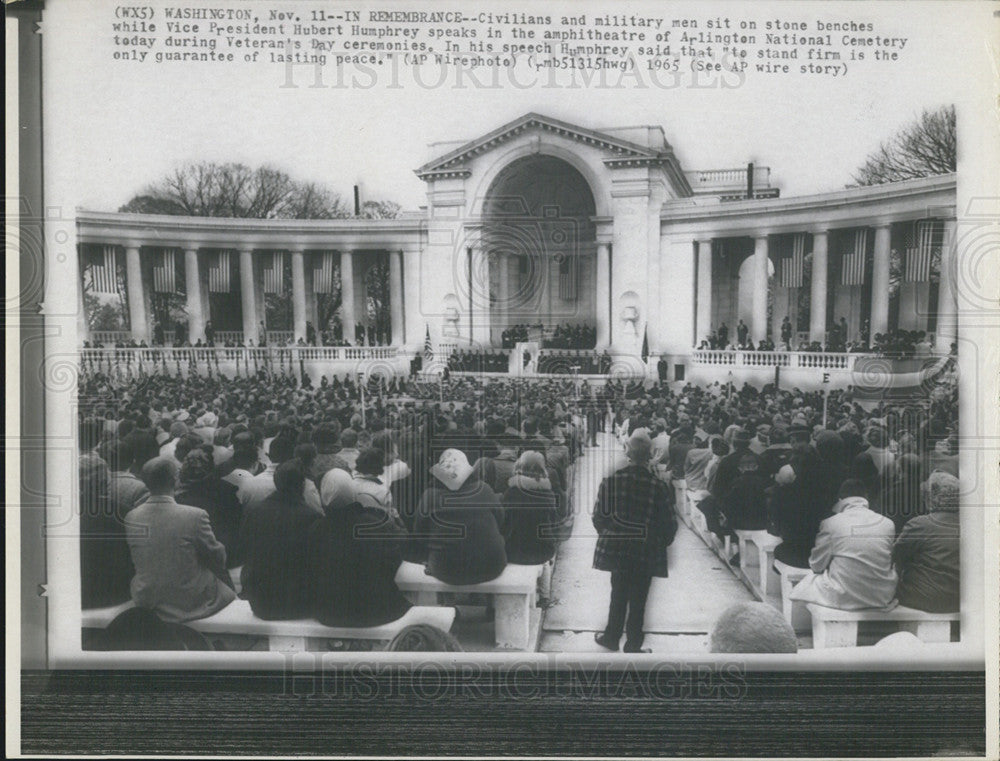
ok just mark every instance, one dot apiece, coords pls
pixel 926 147
pixel 209 189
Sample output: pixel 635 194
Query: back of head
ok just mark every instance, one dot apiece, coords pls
pixel 187 443
pixel 289 478
pixel 281 449
pixel 531 464
pixel 160 476
pixel 640 446
pixel 197 466
pixel 424 638
pixel 327 436
pixel 144 447
pixel 852 487
pixel 337 489
pixel 370 462
pixel 349 439
pixel 752 627
pixel 942 492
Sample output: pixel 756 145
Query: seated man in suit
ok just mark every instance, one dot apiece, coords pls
pixel 851 561
pixel 180 567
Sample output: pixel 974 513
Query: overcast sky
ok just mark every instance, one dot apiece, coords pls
pixel 121 125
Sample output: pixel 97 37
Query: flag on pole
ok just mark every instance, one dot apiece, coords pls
pixel 792 265
pixel 645 345
pixel 164 271
pixel 323 273
pixel 274 276
pixel 919 250
pixel 103 270
pixel 852 270
pixel 567 277
pixel 428 348
pixel 219 273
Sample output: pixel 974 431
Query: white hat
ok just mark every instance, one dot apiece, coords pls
pixel 452 469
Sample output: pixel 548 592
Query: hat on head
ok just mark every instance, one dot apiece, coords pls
pixel 798 429
pixel 336 489
pixel 785 475
pixel 452 469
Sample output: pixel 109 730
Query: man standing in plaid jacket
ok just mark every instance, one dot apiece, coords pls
pixel 635 523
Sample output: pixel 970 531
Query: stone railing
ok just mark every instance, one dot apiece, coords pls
pixel 792 359
pixel 110 337
pixel 172 359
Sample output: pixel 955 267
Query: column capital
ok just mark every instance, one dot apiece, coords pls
pixel 819 230
pixel 882 224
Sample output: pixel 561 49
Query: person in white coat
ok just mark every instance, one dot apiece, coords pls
pixel 851 561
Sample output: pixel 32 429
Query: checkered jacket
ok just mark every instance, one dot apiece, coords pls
pixel 635 521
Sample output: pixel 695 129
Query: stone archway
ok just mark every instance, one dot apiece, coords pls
pixel 539 237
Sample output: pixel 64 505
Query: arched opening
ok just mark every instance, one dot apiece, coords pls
pixel 539 238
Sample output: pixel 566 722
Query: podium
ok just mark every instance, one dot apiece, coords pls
pixel 519 367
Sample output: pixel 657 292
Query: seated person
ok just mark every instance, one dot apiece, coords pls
pixel 352 557
pixel 180 567
pixel 744 505
pixel 273 541
pixel 752 627
pixel 531 513
pixel 458 524
pixel 369 488
pixel 201 487
pixel 926 554
pixel 852 560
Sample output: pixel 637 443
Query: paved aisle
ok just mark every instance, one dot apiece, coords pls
pixel 681 609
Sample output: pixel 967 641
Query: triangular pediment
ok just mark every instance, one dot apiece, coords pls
pixel 617 148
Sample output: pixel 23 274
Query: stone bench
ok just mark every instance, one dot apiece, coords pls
pixel 794 610
pixel 286 636
pixel 833 627
pixel 513 593
pixel 765 544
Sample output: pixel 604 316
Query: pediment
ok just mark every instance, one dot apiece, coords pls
pixel 453 163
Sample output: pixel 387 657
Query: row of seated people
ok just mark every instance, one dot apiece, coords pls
pixel 572 337
pixel 313 541
pixel 482 361
pixel 871 528
pixel 567 363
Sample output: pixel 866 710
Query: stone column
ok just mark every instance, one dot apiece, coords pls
pixel 137 320
pixel 503 290
pixel 396 298
pixel 817 296
pixel 347 295
pixel 880 282
pixel 758 327
pixel 298 294
pixel 703 322
pixel 947 306
pixel 248 297
pixel 82 320
pixel 603 295
pixel 195 310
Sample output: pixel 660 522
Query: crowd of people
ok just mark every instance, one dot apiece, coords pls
pixel 897 343
pixel 563 336
pixel 479 361
pixel 570 362
pixel 319 498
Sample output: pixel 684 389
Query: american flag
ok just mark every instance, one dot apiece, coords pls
pixel 323 273
pixel 164 271
pixel 852 270
pixel 219 273
pixel 103 270
pixel 919 251
pixel 274 276
pixel 428 348
pixel 791 271
pixel 567 277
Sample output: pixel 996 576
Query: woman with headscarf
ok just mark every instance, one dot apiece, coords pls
pixel 273 540
pixel 531 512
pixel 926 553
pixel 352 556
pixel 458 521
pixel 201 487
pixel 903 498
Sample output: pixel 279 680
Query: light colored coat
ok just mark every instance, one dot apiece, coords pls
pixel 178 561
pixel 851 561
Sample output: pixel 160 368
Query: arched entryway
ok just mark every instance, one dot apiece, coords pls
pixel 539 237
